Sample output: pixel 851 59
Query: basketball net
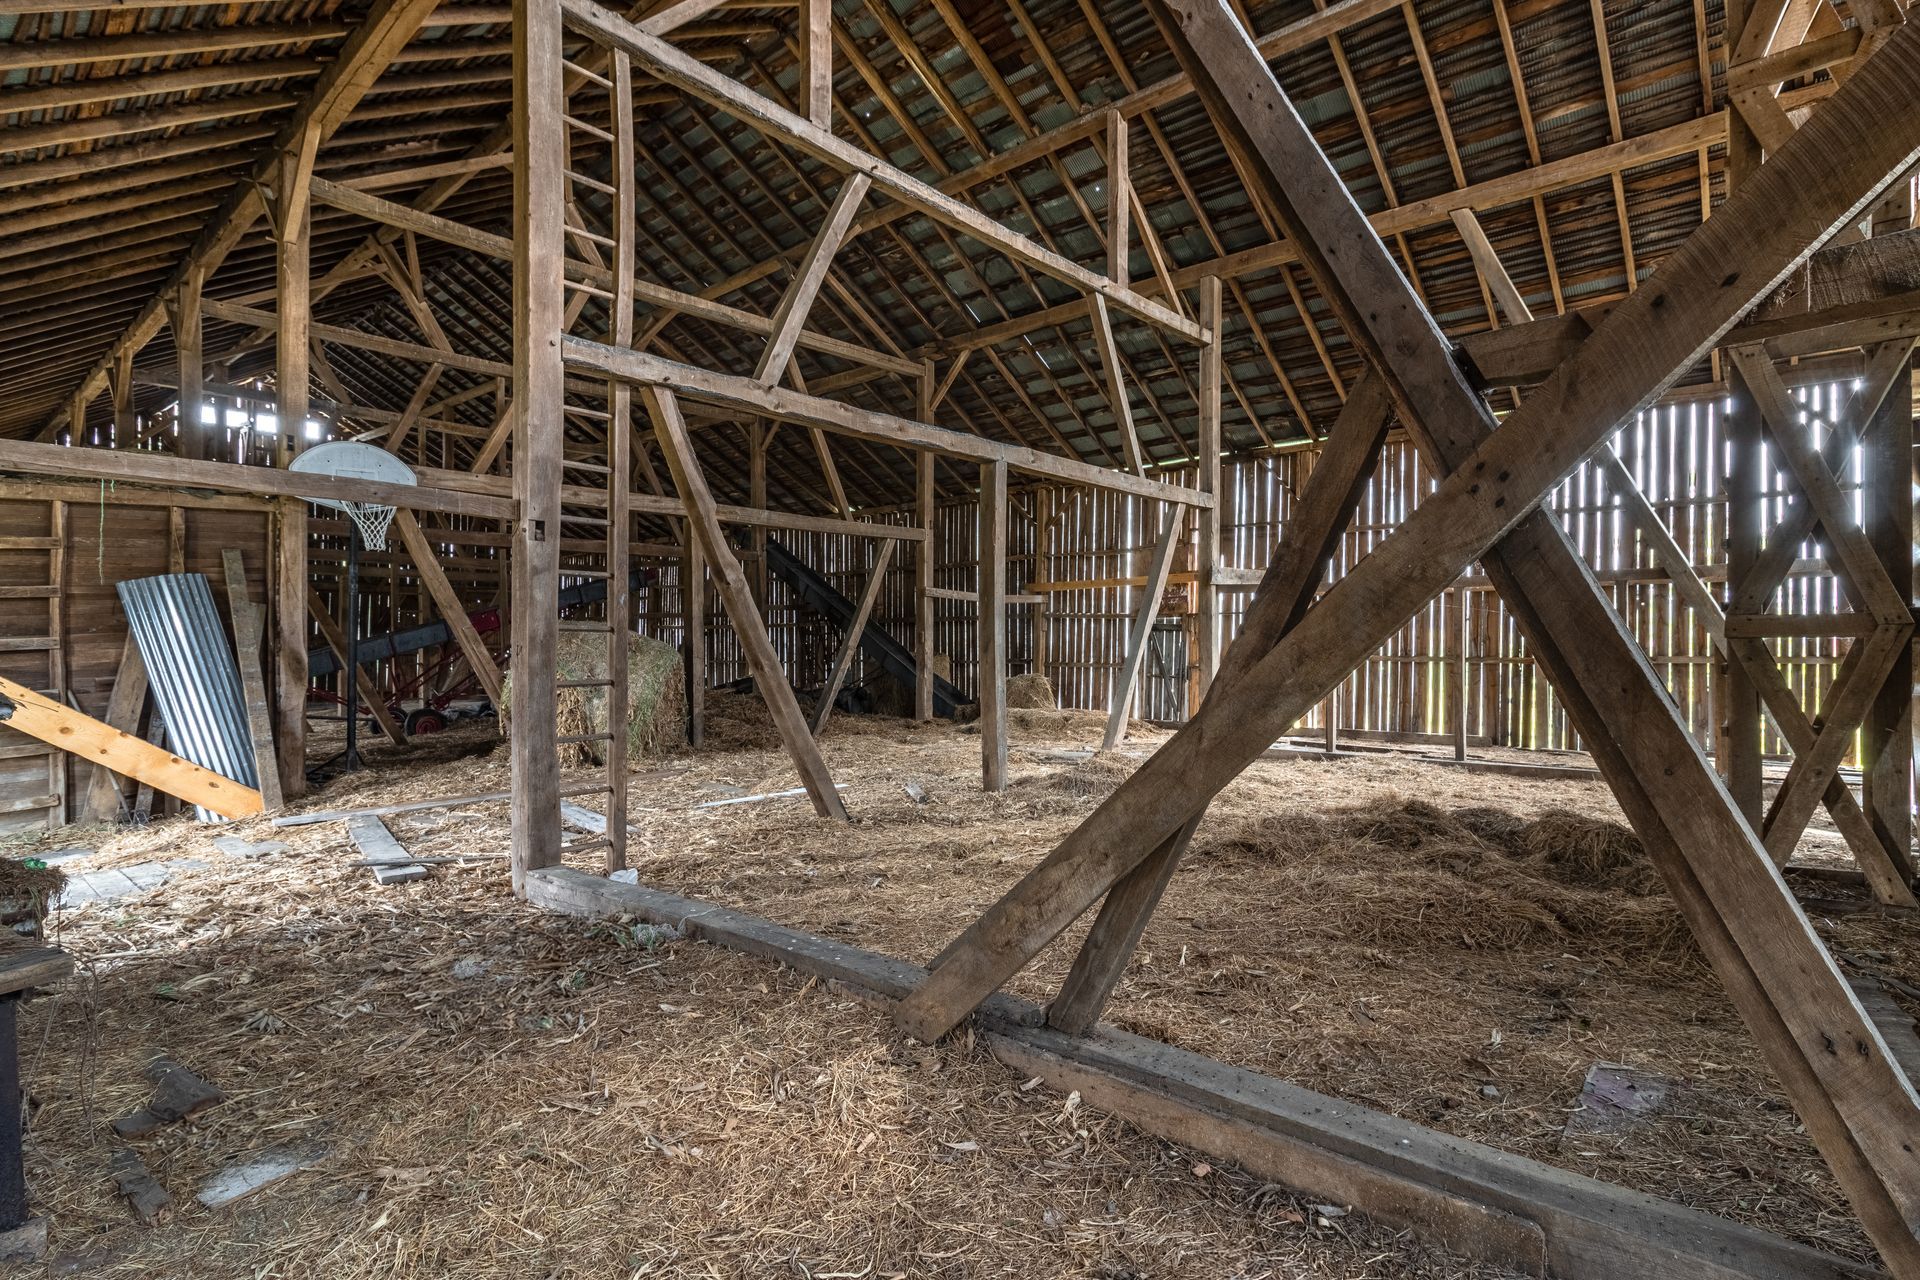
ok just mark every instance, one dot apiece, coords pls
pixel 373 521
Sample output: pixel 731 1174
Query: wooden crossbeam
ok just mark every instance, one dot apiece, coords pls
pixel 61 726
pixel 750 397
pixel 1860 1108
pixel 731 582
pixel 791 315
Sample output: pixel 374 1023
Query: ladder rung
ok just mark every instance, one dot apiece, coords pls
pixel 601 627
pixel 585 846
pixel 583 412
pixel 584 127
pixel 593 520
pixel 583 684
pixel 581 178
pixel 574 739
pixel 587 288
pixel 585 74
pixel 594 467
pixel 584 789
pixel 595 574
pixel 594 236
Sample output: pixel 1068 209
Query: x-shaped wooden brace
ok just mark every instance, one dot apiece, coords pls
pixel 1886 618
pixel 1852 1096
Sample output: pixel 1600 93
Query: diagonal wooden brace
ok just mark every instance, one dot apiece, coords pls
pixel 1856 1102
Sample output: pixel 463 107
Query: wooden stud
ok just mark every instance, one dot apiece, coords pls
pixel 993 626
pixel 1127 680
pixel 1206 601
pixel 850 642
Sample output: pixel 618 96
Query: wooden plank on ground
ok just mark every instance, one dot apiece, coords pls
pixel 61 726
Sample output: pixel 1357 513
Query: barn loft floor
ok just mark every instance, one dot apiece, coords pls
pixel 480 1088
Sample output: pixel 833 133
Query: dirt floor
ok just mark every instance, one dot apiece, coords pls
pixel 473 1087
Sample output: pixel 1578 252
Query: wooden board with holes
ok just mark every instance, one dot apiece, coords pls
pixel 23 709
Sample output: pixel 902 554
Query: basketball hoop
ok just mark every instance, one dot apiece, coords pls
pixel 352 460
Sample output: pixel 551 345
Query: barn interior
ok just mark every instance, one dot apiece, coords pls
pixel 856 638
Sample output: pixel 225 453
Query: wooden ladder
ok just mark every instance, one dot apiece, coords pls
pixel 596 527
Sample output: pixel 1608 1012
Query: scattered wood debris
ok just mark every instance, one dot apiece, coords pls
pixel 177 1094
pixel 148 1198
pixel 262 1169
pixel 387 856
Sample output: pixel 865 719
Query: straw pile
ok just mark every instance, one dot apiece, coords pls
pixel 1031 692
pixel 1407 873
pixel 28 888
pixel 656 698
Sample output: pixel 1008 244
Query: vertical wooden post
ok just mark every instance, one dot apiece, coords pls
pixel 1045 499
pixel 1739 711
pixel 1118 185
pixel 184 308
pixel 816 61
pixel 539 187
pixel 1206 591
pixel 1887 737
pixel 693 604
pixel 1457 670
pixel 758 432
pixel 292 211
pixel 290 644
pixel 993 625
pixel 125 430
pixel 923 553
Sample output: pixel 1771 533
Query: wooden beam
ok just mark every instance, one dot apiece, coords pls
pixel 850 642
pixel 129 696
pixel 289 526
pixel 159 468
pixel 816 62
pixel 749 397
pixel 61 726
pixel 791 316
pixel 539 424
pixel 1117 386
pixel 731 582
pixel 248 627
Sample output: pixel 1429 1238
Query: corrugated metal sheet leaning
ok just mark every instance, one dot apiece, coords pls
pixel 196 684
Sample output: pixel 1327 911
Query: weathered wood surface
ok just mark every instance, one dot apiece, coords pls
pixel 247 627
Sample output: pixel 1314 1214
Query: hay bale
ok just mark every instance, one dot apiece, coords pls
pixel 656 698
pixel 1031 692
